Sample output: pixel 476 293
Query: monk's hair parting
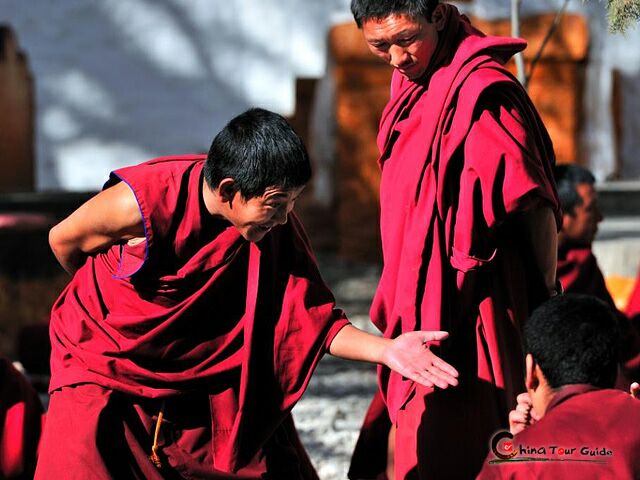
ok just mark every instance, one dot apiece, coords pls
pixel 365 10
pixel 259 150
pixel 568 177
pixel 574 339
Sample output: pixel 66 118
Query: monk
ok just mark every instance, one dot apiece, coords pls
pixel 571 364
pixel 578 268
pixel 196 316
pixel 469 220
pixel 21 419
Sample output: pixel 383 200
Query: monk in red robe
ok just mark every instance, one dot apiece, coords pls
pixel 571 423
pixel 21 418
pixel 196 316
pixel 469 216
pixel 578 269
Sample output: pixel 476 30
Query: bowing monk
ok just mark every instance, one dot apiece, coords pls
pixel 572 344
pixel 469 220
pixel 196 316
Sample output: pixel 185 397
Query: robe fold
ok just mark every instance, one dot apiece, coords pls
pixel 596 430
pixel 463 155
pixel 21 419
pixel 195 309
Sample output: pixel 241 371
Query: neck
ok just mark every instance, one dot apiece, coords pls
pixel 211 200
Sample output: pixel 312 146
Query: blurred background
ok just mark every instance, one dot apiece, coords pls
pixel 87 86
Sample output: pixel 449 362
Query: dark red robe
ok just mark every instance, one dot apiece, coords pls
pixel 578 272
pixel 21 418
pixel 194 310
pixel 597 431
pixel 463 154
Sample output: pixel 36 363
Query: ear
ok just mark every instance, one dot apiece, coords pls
pixel 531 380
pixel 227 189
pixel 439 17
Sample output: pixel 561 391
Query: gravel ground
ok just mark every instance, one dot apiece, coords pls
pixel 330 414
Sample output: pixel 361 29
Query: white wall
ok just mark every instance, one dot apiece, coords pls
pixel 121 81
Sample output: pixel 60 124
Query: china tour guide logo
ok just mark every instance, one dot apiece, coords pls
pixel 507 450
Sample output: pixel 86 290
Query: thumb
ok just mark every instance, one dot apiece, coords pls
pixel 433 336
pixel 635 390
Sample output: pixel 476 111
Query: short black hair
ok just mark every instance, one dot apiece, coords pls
pixel 259 150
pixel 364 10
pixel 568 177
pixel 574 339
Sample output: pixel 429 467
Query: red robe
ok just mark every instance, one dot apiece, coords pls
pixel 21 418
pixel 600 425
pixel 463 152
pixel 195 308
pixel 578 272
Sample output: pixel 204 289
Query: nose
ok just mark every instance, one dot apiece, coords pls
pixel 398 56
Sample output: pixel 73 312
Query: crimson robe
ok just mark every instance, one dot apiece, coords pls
pixel 599 425
pixel 463 155
pixel 194 308
pixel 21 419
pixel 578 272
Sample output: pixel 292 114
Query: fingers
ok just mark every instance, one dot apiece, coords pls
pixel 444 366
pixel 635 390
pixel 517 421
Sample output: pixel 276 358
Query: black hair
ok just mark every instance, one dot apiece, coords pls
pixel 258 149
pixel 568 176
pixel 364 10
pixel 574 339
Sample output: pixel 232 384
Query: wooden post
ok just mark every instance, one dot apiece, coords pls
pixel 16 117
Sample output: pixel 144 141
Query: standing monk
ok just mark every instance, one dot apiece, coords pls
pixel 469 219
pixel 195 318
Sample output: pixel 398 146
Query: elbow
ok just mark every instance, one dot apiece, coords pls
pixel 55 243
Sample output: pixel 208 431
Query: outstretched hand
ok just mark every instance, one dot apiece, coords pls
pixel 409 355
pixel 523 415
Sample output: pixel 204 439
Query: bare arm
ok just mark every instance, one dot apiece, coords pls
pixel 542 231
pixel 109 217
pixel 407 354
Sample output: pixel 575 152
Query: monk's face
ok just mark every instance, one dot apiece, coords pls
pixel 405 43
pixel 255 217
pixel 580 226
